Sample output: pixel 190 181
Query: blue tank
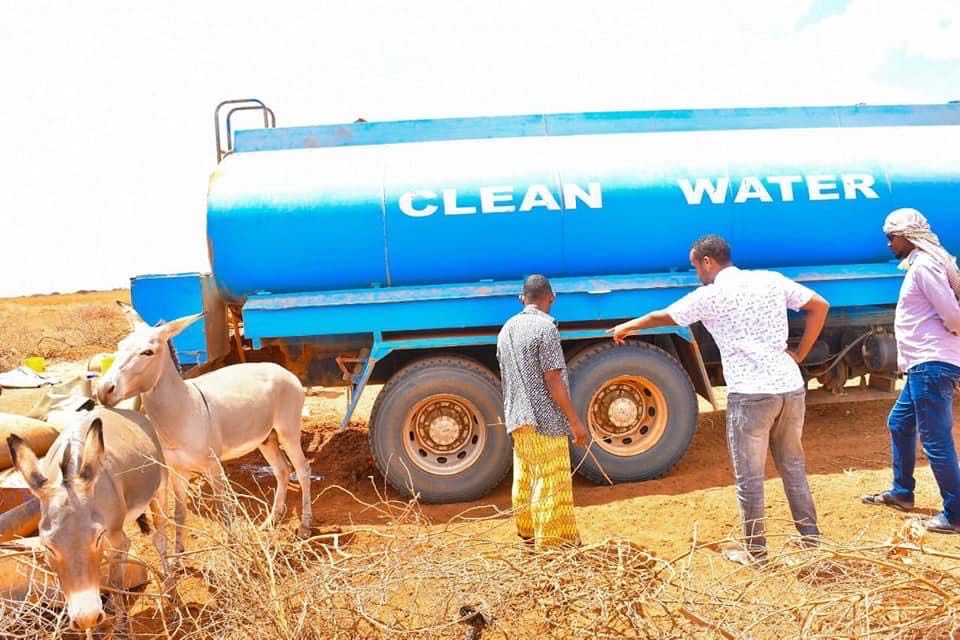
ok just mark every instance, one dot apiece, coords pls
pixel 460 201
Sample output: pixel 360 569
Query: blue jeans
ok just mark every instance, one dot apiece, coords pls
pixel 757 422
pixel 925 405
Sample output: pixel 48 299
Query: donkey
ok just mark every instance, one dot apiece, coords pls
pixel 220 415
pixel 99 475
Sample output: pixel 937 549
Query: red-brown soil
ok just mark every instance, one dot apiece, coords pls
pixel 847 455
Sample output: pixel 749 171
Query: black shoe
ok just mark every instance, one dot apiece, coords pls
pixel 887 499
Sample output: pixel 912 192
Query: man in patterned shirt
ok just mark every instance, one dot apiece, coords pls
pixel 540 417
pixel 746 313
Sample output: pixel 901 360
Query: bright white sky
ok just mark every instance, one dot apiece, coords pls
pixel 106 138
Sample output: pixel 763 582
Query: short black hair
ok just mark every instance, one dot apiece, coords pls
pixel 712 246
pixel 536 287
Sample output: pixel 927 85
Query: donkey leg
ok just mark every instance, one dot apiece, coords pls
pixel 116 556
pixel 274 457
pixel 180 489
pixel 160 521
pixel 290 441
pixel 218 484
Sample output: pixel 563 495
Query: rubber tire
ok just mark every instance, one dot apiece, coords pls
pixel 451 375
pixel 593 367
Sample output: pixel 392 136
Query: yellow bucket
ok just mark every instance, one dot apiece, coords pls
pixel 106 361
pixel 37 363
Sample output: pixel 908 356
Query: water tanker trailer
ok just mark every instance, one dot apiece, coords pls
pixel 392 252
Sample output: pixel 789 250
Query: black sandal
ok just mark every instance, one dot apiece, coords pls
pixel 887 499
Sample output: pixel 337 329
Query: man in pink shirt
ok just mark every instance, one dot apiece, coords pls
pixel 927 324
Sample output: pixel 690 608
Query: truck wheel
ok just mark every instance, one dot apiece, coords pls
pixel 437 431
pixel 639 405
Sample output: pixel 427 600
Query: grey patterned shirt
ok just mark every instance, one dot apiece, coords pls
pixel 527 347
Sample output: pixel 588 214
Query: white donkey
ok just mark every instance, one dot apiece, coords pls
pixel 220 415
pixel 99 475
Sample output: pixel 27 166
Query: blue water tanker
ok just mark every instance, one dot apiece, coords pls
pixel 392 252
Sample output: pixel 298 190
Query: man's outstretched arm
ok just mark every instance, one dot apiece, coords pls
pixel 653 319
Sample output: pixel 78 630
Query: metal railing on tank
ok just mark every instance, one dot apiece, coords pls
pixel 224 121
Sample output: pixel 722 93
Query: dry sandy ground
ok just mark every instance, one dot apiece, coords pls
pixel 847 455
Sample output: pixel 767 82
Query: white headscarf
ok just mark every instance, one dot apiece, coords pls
pixel 912 225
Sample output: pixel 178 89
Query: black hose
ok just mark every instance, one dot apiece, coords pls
pixel 835 360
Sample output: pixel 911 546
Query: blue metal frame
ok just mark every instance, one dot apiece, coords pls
pixel 381 348
pixel 565 124
pixel 856 290
pixel 483 305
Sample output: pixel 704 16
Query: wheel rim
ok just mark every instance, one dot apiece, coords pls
pixel 628 415
pixel 444 434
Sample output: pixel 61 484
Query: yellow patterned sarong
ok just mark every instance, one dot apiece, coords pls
pixel 542 489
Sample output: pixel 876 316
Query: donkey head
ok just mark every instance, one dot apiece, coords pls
pixel 71 522
pixel 141 358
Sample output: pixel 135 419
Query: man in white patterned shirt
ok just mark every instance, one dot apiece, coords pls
pixel 746 313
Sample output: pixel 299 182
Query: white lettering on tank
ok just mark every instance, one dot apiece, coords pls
pixel 767 188
pixel 593 198
pixel 786 185
pixel 422 203
pixel 450 206
pixel 822 187
pixel 862 182
pixel 408 207
pixel 497 199
pixel 751 188
pixel 538 195
pixel 704 186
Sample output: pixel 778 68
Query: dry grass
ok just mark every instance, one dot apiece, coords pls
pixel 893 589
pixel 59 327
pixel 413 579
pixel 410 578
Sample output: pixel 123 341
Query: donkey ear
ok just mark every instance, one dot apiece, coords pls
pixel 25 460
pixel 175 327
pixel 89 465
pixel 132 316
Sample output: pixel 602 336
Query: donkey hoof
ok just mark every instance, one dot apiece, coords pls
pixel 304 532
